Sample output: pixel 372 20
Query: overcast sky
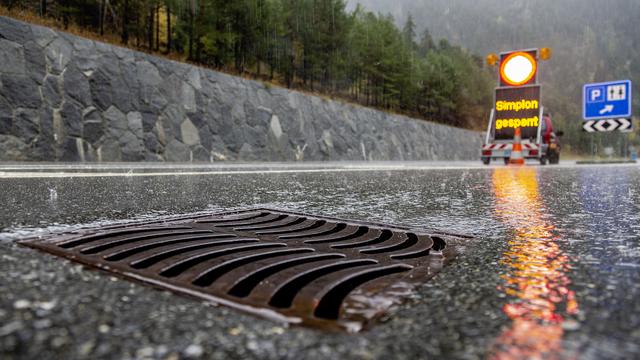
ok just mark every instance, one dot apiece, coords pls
pixel 395 7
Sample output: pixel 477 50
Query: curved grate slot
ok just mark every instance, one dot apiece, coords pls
pixel 128 252
pixel 68 244
pixel 438 243
pixel 244 287
pixel 315 225
pixel 119 242
pixel 253 223
pixel 362 230
pixel 335 229
pixel 158 257
pixel 329 306
pixel 283 298
pixel 269 227
pixel 209 276
pixel 411 255
pixel 384 236
pixel 183 265
pixel 411 240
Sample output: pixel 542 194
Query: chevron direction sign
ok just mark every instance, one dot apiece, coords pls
pixel 607 125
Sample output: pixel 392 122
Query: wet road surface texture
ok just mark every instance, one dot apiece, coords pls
pixel 553 272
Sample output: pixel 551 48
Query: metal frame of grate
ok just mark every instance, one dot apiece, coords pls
pixel 311 270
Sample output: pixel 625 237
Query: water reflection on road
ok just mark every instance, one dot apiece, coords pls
pixel 536 282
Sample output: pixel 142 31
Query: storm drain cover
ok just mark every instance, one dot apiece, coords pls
pixel 302 269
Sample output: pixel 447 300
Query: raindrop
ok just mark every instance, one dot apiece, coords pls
pixel 53 195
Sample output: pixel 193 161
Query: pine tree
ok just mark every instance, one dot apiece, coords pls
pixel 409 31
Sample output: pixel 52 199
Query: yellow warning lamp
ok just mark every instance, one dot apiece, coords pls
pixel 518 68
pixel 492 59
pixel 545 54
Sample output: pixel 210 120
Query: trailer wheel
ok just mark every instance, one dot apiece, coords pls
pixel 486 160
pixel 543 161
pixel 506 161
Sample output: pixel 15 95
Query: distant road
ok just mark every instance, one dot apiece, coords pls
pixel 30 170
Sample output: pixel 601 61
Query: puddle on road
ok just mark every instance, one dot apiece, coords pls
pixel 537 278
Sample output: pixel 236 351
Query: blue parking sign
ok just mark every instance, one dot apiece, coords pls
pixel 610 100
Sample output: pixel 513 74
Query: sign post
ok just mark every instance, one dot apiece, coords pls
pixel 606 107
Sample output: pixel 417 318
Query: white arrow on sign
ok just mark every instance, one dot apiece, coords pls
pixel 607 109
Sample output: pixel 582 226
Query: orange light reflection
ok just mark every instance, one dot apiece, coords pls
pixel 536 280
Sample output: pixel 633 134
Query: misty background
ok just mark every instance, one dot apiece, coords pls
pixel 421 58
pixel 592 41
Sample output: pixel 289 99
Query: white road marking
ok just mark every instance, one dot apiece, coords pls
pixel 21 175
pixel 243 171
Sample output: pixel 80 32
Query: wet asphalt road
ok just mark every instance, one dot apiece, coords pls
pixel 553 273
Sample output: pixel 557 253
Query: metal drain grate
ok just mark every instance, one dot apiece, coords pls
pixel 298 268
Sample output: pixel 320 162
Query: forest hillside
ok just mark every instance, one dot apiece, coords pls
pixel 592 41
pixel 310 45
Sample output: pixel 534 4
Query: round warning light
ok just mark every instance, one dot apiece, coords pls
pixel 545 54
pixel 518 68
pixel 492 59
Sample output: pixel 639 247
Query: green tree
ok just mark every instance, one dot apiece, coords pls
pixel 315 45
pixel 409 31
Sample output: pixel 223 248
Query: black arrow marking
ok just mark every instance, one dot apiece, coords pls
pixel 613 125
pixel 607 125
pixel 588 126
pixel 625 124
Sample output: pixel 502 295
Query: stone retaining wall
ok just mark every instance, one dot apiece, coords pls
pixel 65 98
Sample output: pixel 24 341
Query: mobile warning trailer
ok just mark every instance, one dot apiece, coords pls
pixel 517 105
